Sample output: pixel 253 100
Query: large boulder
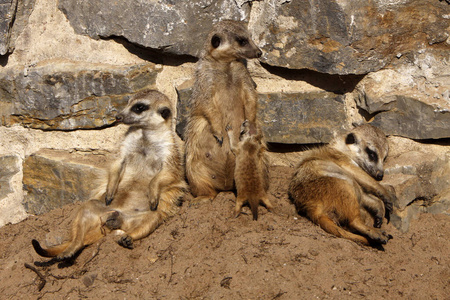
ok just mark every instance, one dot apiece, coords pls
pixel 13 18
pixel 346 37
pixel 70 95
pixel 421 181
pixel 53 178
pixel 412 98
pixel 176 26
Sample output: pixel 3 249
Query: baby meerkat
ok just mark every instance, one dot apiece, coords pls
pixel 333 183
pixel 251 171
pixel 144 186
pixel 223 93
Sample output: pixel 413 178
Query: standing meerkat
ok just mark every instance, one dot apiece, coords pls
pixel 333 183
pixel 144 186
pixel 251 173
pixel 224 93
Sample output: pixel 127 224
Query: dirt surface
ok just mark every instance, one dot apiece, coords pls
pixel 204 253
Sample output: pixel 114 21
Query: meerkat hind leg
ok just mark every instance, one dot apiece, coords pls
pixel 265 200
pixel 327 224
pixel 86 228
pixel 138 226
pixel 238 208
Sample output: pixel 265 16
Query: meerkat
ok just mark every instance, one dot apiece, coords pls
pixel 332 184
pixel 144 185
pixel 251 171
pixel 223 93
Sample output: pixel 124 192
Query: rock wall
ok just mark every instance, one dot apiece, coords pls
pixel 68 66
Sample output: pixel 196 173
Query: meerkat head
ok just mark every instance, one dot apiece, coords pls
pixel 230 40
pixel 147 109
pixel 248 130
pixel 368 147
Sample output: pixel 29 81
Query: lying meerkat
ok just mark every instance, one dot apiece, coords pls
pixel 333 183
pixel 144 185
pixel 223 93
pixel 251 173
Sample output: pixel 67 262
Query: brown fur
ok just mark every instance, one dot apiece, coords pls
pixel 251 171
pixel 333 183
pixel 223 94
pixel 144 185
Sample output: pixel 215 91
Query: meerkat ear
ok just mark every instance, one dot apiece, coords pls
pixel 215 41
pixel 165 112
pixel 350 139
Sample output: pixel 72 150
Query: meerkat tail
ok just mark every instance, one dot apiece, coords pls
pixel 49 252
pixel 254 208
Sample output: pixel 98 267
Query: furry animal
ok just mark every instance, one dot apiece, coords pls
pixel 333 183
pixel 223 94
pixel 251 171
pixel 144 185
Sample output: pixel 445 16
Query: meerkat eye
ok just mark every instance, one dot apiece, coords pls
pixel 373 156
pixel 164 112
pixel 215 41
pixel 350 139
pixel 242 41
pixel 138 108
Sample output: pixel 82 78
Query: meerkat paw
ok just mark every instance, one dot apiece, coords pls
pixel 126 242
pixel 380 236
pixel 378 222
pixel 153 200
pixel 200 200
pixel 219 140
pixel 154 204
pixel 108 199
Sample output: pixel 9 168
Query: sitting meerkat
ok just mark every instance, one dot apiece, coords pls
pixel 223 93
pixel 333 183
pixel 144 186
pixel 251 173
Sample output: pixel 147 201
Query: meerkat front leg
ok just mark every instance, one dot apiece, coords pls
pixel 371 186
pixel 114 176
pixel 233 144
pixel 163 179
pixel 250 104
pixel 214 117
pixel 375 207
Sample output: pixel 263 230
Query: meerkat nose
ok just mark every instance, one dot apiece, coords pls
pixel 379 176
pixel 119 117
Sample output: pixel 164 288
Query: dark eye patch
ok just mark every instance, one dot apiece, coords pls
pixel 215 41
pixel 373 156
pixel 164 112
pixel 242 41
pixel 138 108
pixel 350 139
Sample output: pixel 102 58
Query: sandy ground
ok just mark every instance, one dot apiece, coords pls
pixel 204 253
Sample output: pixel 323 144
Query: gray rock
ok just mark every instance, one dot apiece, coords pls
pixel 408 117
pixel 411 98
pixel 53 178
pixel 346 37
pixel 297 118
pixel 9 166
pixel 68 96
pixel 13 18
pixel 301 118
pixel 176 26
pixel 421 181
